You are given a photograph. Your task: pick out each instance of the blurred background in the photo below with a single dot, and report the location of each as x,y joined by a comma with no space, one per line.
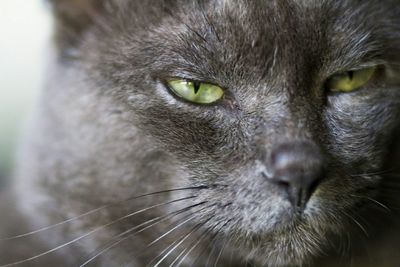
25,27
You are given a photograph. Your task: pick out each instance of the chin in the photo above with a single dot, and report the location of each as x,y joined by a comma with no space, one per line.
292,248
299,238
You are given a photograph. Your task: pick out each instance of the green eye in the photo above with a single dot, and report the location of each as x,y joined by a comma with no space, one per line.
350,80
196,92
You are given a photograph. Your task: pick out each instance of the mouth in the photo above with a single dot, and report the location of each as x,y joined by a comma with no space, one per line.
285,236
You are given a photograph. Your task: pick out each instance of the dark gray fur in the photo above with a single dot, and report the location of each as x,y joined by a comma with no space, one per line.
107,129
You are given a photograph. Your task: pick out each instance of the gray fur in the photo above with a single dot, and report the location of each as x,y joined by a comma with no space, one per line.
107,129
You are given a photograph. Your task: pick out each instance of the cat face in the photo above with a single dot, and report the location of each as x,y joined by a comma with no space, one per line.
286,156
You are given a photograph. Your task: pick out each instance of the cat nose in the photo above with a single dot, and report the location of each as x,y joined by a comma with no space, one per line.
297,168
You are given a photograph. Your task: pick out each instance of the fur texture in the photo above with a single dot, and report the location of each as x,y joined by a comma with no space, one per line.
107,129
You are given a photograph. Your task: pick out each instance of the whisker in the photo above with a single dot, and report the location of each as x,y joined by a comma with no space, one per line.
388,171
166,249
214,241
99,209
93,231
52,226
194,229
110,245
173,229
375,202
160,219
356,222
193,247
177,245
199,241
220,253
178,257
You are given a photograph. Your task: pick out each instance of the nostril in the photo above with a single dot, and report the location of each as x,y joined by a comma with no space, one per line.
297,168
314,185
283,184
265,175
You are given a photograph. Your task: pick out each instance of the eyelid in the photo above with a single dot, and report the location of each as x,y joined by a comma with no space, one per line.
193,79
362,66
351,80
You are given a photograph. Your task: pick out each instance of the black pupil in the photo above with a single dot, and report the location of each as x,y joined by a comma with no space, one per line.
196,86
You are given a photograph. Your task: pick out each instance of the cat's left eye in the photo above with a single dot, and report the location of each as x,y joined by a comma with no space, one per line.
196,92
350,80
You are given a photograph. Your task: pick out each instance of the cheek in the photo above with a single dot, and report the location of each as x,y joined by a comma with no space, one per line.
203,141
360,129
249,201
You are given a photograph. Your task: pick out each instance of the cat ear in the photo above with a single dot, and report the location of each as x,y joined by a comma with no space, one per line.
74,17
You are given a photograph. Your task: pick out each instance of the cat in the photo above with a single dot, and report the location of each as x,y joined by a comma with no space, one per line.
212,133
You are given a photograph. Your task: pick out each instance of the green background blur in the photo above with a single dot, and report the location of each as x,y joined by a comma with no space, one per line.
24,38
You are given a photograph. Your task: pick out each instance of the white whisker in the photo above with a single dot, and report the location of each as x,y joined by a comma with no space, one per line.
194,229
97,210
160,219
92,232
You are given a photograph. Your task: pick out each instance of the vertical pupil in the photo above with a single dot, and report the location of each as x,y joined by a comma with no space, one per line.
196,86
351,74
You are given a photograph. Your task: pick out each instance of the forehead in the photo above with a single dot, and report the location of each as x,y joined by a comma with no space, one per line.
223,38
252,33
300,23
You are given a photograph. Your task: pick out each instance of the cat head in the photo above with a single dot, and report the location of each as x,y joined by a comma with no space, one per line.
284,110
